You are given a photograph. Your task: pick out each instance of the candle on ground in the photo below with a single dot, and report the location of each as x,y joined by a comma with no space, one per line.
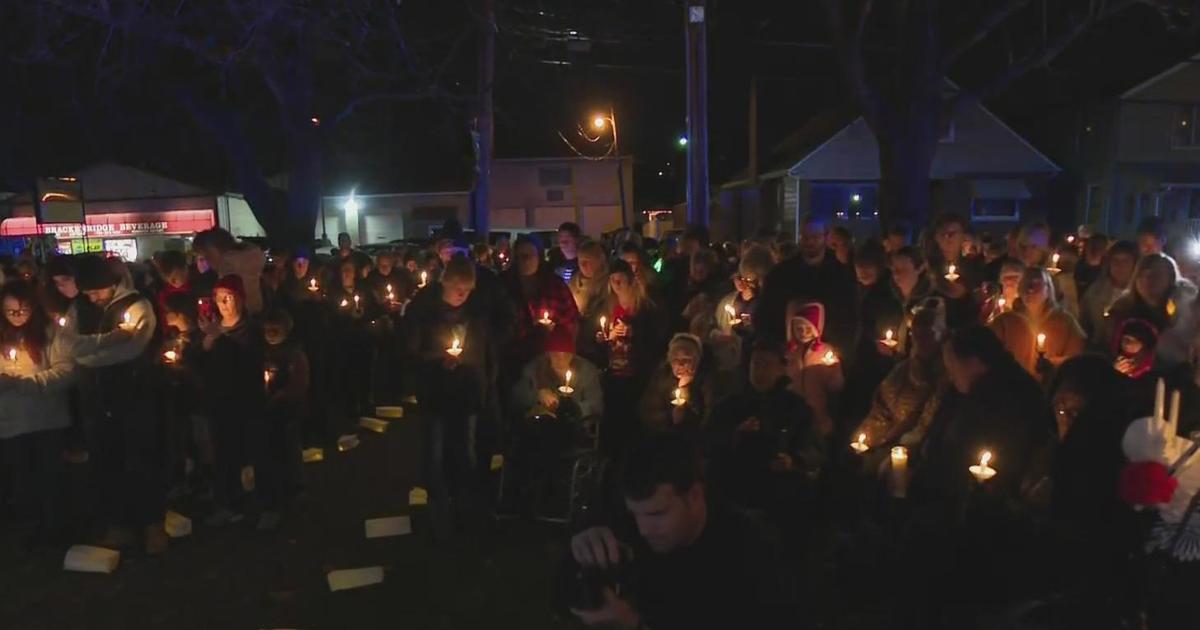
899,472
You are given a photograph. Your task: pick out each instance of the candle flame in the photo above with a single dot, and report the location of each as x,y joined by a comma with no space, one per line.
389,288
899,453
1054,259
984,458
951,270
266,376
603,321
1041,341
344,303
729,309
128,318
12,354
1001,302
862,439
424,277
830,358
678,393
889,334
170,355
568,377
313,283
545,315
62,321
456,344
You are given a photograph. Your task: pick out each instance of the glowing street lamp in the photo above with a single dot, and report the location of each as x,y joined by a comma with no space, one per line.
683,141
599,122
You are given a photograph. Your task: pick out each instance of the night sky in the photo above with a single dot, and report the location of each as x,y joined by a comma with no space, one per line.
557,62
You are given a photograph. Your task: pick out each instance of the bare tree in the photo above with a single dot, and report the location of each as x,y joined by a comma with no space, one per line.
907,104
315,63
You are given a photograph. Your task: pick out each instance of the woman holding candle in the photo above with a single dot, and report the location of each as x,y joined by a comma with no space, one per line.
879,314
543,303
633,342
1116,275
1158,295
353,355
679,395
33,409
1033,243
1003,299
1039,310
814,366
589,287
232,369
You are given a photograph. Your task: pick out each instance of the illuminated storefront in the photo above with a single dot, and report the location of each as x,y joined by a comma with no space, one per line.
131,235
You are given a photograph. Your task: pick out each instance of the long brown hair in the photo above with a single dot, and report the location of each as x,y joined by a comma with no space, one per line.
32,336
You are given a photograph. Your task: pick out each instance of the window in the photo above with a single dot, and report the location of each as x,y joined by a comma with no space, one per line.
554,176
554,195
1184,134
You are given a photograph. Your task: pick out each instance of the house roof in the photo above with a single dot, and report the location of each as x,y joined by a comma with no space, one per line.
1141,88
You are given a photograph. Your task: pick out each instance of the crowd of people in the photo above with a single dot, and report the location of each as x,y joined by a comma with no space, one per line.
954,415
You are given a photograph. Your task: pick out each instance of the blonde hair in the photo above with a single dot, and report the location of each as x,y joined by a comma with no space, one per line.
459,270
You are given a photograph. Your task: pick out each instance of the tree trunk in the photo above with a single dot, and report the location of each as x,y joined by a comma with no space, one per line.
908,141
304,195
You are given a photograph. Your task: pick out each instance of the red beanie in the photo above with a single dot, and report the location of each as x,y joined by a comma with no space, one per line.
560,339
233,284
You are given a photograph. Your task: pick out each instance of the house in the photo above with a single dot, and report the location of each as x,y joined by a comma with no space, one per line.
541,193
122,209
1138,154
374,219
830,168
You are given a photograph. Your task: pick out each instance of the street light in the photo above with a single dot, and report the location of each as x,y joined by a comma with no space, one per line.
682,141
351,206
599,122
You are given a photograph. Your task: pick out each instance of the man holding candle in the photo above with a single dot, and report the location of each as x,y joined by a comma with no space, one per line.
679,395
452,384
117,359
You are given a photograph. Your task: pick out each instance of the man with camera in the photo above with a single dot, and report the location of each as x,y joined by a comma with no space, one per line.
693,563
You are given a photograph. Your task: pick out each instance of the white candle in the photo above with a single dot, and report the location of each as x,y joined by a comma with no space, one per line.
424,278
860,445
545,320
1160,400
951,274
983,472
680,397
734,320
899,472
1041,342
12,355
830,358
312,285
604,324
170,356
455,348
566,388
62,322
1173,418
889,339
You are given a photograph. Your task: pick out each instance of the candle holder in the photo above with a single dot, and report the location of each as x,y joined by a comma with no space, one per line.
952,273
1053,268
565,389
455,348
680,398
830,358
860,445
889,339
899,472
545,320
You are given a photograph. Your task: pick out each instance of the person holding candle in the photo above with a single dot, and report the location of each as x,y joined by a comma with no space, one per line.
34,415
550,414
390,284
734,315
452,387
1002,300
1039,310
589,287
63,298
116,362
683,370
632,254
179,356
814,366
353,354
1158,295
1033,243
277,457
879,314
905,403
949,231
543,303
637,331
1116,276
234,397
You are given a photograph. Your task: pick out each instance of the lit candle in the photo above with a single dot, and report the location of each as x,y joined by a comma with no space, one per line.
830,358
344,303
127,320
545,320
899,472
455,348
1041,343
424,278
1053,268
1070,238
734,320
566,388
12,355
267,378
982,472
170,356
860,445
312,285
62,322
604,324
951,274
356,302
889,338
680,398
1001,303
391,296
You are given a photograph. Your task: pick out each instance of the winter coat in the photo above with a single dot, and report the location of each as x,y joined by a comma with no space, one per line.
785,426
825,282
431,325
1176,322
33,394
103,349
550,296
905,403
656,410
1064,337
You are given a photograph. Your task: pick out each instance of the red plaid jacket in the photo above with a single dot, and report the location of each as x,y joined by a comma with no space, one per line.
551,296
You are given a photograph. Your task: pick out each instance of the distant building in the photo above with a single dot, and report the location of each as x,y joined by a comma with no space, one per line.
1138,154
541,193
121,209
830,167
376,219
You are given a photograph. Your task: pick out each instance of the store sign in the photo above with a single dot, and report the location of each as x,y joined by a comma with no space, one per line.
115,225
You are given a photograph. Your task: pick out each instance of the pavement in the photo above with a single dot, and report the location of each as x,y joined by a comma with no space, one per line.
235,578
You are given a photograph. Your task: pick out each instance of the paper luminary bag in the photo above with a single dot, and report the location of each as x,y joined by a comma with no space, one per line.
373,424
388,526
418,496
345,579
88,559
347,442
311,455
177,525
391,413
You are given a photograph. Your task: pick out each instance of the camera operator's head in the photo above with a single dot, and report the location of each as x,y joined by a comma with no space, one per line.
663,485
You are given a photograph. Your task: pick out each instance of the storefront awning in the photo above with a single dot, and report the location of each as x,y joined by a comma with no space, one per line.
998,189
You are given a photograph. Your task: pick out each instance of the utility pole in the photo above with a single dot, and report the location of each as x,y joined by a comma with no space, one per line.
484,123
697,112
752,175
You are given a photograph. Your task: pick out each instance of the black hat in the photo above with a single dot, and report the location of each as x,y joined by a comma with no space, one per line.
94,272
60,266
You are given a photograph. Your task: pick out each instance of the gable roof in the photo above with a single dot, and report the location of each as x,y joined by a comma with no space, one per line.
1140,89
110,180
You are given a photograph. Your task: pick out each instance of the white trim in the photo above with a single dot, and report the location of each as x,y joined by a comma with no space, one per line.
1131,92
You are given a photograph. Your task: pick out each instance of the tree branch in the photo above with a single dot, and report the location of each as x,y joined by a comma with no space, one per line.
429,93
985,27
